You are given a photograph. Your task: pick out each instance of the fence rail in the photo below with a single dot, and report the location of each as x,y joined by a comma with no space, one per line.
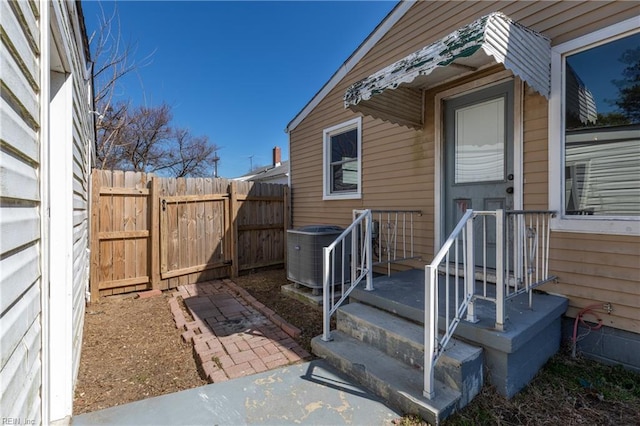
149,232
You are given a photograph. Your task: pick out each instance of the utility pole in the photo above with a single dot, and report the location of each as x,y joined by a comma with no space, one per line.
215,164
251,163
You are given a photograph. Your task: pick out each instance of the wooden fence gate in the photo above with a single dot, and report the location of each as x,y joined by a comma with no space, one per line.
149,232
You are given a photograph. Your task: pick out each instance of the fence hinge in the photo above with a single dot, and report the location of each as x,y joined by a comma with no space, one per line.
164,205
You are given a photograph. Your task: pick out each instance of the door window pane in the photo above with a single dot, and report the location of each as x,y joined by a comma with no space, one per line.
480,142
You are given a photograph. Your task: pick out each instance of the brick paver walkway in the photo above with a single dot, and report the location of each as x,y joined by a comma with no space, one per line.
233,334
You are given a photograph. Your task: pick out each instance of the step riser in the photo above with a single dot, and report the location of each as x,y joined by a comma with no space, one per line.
390,343
460,367
406,402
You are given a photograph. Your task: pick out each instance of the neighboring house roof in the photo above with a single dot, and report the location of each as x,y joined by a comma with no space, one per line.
579,99
494,38
389,21
267,173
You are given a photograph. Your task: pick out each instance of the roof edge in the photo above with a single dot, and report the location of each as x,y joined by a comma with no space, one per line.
380,31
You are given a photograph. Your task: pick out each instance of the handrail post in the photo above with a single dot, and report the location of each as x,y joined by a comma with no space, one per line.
355,248
369,250
470,272
430,329
326,308
500,305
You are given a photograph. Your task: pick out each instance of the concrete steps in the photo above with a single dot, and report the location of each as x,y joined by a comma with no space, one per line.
385,353
512,357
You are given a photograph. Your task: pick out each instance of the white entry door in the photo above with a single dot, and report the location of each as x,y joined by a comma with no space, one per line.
478,138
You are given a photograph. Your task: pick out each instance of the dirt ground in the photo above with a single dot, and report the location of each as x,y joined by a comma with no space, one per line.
132,350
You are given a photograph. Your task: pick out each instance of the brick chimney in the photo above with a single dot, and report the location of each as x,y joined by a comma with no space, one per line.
277,156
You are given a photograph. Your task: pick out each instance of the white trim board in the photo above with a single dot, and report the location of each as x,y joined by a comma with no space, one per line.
582,224
465,89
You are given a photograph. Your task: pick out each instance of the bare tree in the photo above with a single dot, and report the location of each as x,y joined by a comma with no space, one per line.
149,144
110,126
113,59
137,138
192,155
146,139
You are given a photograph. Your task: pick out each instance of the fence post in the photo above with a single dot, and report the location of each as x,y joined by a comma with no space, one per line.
154,230
233,222
95,242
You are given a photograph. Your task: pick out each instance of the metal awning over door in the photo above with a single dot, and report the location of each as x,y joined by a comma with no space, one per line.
394,93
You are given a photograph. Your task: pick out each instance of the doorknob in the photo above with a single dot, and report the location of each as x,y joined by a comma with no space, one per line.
510,190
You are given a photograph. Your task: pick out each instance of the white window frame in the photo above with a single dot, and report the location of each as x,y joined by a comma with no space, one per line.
623,225
355,123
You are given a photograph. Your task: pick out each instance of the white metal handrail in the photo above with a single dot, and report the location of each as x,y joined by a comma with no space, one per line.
524,262
354,249
375,237
521,263
527,236
393,236
459,244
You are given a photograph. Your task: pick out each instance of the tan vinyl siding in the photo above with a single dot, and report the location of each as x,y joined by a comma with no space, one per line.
398,164
20,244
595,268
535,154
591,268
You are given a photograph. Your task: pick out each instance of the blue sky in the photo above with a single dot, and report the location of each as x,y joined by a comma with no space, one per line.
238,71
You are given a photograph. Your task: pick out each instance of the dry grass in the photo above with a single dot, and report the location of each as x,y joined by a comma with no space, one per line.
566,391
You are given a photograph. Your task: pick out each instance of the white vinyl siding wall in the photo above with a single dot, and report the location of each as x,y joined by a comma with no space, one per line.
70,152
82,149
29,139
20,242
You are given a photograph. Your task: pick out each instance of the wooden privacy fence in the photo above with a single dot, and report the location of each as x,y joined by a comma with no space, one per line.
149,232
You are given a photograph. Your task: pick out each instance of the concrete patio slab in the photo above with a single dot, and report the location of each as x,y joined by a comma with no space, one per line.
311,393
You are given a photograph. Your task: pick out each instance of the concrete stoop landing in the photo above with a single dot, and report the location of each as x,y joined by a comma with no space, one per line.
379,342
385,353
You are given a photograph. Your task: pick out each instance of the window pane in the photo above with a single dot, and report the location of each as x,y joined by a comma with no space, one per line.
344,177
480,142
344,161
602,121
344,146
